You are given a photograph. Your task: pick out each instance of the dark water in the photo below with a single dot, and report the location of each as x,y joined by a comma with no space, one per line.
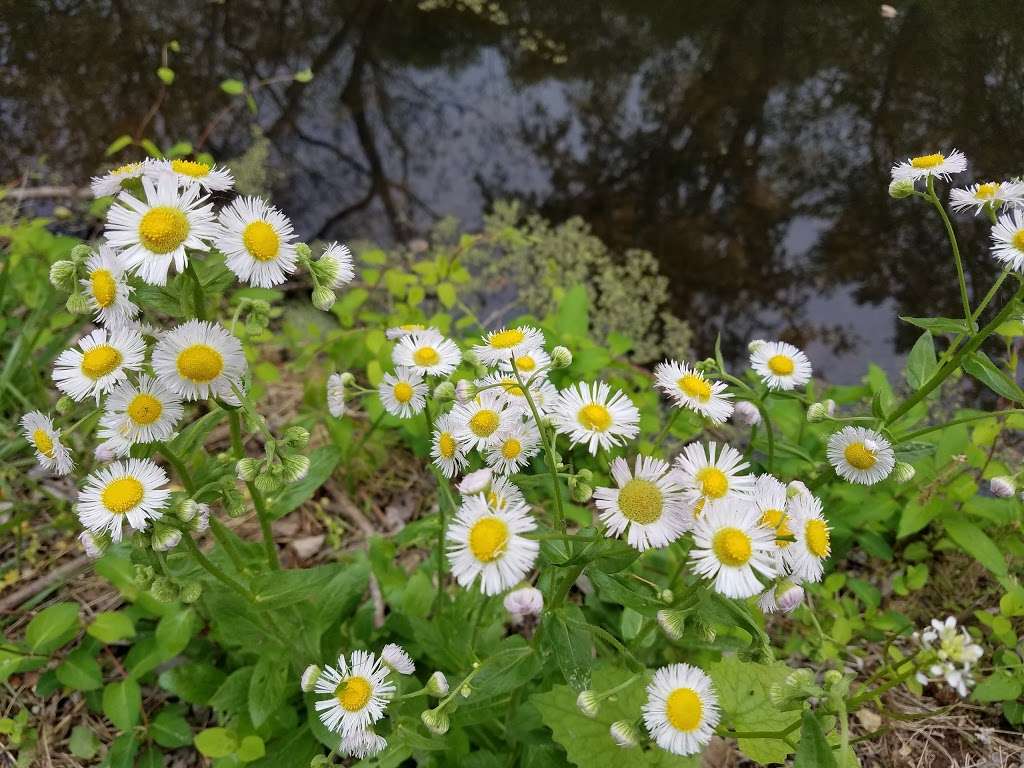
747,144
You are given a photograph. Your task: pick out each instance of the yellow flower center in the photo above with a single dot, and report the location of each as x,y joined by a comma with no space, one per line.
484,422
683,708
261,241
816,534
495,501
125,169
412,327
698,507
200,362
506,339
987,191
402,391
781,365
104,288
713,482
511,388
43,443
487,539
100,360
144,409
1018,239
190,168
163,229
511,448
426,356
526,363
595,417
122,495
354,693
732,547
783,530
695,386
927,161
858,456
446,445
772,518
641,501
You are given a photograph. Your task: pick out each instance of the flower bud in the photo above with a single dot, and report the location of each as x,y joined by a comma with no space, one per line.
437,685
295,466
267,482
436,721
444,392
788,595
323,298
188,509
246,469
234,504
755,345
296,436
164,590
201,521
308,679
165,537
190,592
820,411
465,691
81,252
93,545
796,488
588,703
464,391
302,251
903,472
832,676
1002,486
624,734
525,601
672,623
62,275
901,188
77,304
581,493
667,596
561,357
143,576
65,405
476,482
347,378
746,413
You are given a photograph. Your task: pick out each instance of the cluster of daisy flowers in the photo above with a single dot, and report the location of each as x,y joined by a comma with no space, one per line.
952,652
140,376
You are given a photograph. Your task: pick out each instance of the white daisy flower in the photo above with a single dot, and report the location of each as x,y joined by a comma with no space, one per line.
513,447
146,412
504,384
402,393
198,359
358,692
806,555
110,182
488,543
712,475
590,414
129,490
336,395
401,331
336,266
690,389
780,365
103,358
681,712
362,744
395,657
1008,240
729,545
508,343
152,234
447,452
649,502
528,363
107,290
503,493
994,193
192,172
861,455
771,500
256,240
478,422
51,453
428,353
936,164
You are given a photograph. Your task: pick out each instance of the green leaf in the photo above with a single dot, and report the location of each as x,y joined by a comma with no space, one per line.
975,542
195,682
321,465
170,729
937,324
52,627
268,686
232,698
916,515
166,75
232,87
174,630
122,703
118,144
216,742
303,75
151,758
814,751
122,752
191,438
281,588
513,665
251,748
921,362
1000,686
83,742
570,644
446,294
978,365
573,319
111,626
80,671
618,590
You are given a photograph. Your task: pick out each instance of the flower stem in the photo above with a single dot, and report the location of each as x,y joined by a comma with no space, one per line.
976,417
443,491
179,467
257,498
223,537
934,199
197,292
214,570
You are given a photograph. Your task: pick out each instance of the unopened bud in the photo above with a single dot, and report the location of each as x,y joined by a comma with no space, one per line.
525,601
832,676
77,304
165,537
1002,486
62,275
581,493
323,298
267,483
201,521
624,734
436,721
94,546
309,676
164,590
588,703
81,252
296,436
188,509
667,596
788,595
464,391
820,411
672,623
437,685
903,472
65,405
246,469
796,488
302,251
295,466
143,576
746,413
465,691
444,392
190,592
755,345
476,482
561,357
901,188
347,378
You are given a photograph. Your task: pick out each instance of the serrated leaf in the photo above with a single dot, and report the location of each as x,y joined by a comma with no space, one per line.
512,665
1000,686
921,362
52,627
570,644
814,751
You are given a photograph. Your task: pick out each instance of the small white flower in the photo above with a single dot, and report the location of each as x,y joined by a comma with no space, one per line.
590,414
681,712
403,393
103,358
198,360
525,601
513,447
94,546
364,743
1008,240
937,164
624,734
191,172
146,412
489,543
476,482
528,363
108,292
336,395
505,386
712,476
358,692
729,546
781,365
648,504
448,453
861,455
257,242
479,422
746,413
129,490
503,493
1002,486
507,344
813,545
110,183
993,193
51,453
428,353
395,657
689,388
401,331
335,266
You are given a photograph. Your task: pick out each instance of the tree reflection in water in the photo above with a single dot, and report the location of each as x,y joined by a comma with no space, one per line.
747,144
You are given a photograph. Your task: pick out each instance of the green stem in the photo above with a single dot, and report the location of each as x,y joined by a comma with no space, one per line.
197,292
668,425
443,491
955,345
367,433
953,363
223,537
964,420
214,570
769,432
782,733
258,501
933,198
179,467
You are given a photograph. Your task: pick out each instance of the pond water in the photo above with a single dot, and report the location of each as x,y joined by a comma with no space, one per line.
746,144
